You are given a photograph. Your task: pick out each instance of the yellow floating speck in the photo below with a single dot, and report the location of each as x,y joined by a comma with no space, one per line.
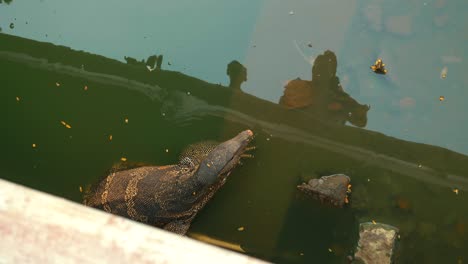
443,72
110,137
441,98
167,150
17,99
208,165
302,254
455,191
373,221
126,120
241,228
81,189
330,250
86,88
65,124
57,84
123,159
34,145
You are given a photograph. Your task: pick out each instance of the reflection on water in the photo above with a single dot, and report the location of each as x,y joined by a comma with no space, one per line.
6,1
237,74
152,63
324,97
419,188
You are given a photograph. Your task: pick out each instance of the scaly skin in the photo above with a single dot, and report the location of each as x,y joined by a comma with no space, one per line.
169,196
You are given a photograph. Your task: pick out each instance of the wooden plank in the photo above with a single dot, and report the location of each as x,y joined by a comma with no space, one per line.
39,228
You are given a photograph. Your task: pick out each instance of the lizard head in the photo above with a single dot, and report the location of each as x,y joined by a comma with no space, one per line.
219,163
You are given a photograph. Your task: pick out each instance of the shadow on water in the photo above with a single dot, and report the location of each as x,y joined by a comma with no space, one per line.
323,96
144,113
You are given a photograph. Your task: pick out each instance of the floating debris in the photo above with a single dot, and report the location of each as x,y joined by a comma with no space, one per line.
110,137
123,159
167,150
81,189
419,166
65,124
302,254
455,191
12,25
379,67
248,156
291,13
309,45
443,72
17,99
402,203
373,222
188,93
241,229
330,250
34,145
441,98
126,120
57,84
85,88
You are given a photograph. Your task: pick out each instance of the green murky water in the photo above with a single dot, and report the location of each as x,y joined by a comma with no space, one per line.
408,185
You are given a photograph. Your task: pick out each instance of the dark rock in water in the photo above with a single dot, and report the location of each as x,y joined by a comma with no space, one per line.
376,243
331,189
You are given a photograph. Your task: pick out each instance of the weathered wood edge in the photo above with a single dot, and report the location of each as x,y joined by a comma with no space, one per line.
36,227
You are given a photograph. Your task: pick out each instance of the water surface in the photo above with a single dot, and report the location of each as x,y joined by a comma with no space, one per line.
276,41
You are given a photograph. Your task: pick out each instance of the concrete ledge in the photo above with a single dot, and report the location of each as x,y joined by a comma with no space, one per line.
39,228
